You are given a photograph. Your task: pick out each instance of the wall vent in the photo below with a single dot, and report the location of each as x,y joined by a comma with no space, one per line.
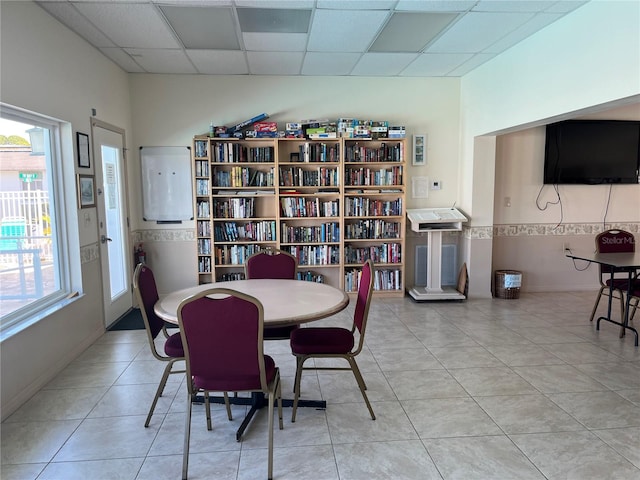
449,271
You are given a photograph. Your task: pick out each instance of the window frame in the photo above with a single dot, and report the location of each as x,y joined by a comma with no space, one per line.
62,203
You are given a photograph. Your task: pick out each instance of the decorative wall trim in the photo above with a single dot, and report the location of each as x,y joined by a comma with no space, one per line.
89,253
541,229
565,229
166,235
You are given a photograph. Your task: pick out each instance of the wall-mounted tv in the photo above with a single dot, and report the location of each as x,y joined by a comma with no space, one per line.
592,152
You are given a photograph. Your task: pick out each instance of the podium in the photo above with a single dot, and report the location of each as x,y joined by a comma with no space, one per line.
434,221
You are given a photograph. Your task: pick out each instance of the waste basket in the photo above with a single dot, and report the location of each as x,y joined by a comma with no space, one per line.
507,284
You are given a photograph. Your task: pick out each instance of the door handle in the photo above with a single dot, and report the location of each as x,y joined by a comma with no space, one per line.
104,239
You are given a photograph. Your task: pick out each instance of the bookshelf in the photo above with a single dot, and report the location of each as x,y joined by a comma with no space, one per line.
374,212
331,203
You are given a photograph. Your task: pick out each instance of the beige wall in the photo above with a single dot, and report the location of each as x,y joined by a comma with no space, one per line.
171,109
588,61
531,233
47,69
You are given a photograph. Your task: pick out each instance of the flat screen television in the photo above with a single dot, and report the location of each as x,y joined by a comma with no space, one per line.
592,152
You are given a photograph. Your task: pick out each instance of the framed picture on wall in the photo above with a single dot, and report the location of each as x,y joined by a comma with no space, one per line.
86,191
420,149
82,143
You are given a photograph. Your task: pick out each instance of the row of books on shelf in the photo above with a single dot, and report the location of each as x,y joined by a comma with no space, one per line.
243,177
232,152
371,229
204,246
235,254
292,207
318,152
371,207
201,148
387,152
234,208
204,264
385,253
327,232
370,176
314,254
310,276
264,231
298,177
203,209
202,186
202,168
203,228
382,280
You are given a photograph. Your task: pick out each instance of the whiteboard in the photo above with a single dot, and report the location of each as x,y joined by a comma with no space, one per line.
166,184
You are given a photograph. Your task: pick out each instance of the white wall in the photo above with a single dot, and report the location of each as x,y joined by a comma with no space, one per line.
47,69
586,61
171,109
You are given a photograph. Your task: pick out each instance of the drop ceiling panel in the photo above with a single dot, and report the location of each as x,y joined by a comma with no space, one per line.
130,25
123,59
474,32
436,5
344,30
273,20
162,61
356,4
275,42
329,63
383,64
216,62
275,63
68,15
203,27
513,5
435,64
410,31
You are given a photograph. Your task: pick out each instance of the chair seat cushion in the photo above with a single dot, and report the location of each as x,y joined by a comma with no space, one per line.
173,346
620,283
238,383
324,340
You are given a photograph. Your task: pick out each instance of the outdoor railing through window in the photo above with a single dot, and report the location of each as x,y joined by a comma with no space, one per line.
26,256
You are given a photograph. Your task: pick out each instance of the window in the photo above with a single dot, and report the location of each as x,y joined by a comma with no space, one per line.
34,259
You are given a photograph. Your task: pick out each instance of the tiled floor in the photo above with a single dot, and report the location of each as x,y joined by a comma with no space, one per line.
483,389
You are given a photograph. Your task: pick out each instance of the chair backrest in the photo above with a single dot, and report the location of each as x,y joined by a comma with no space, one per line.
363,300
271,264
146,293
222,337
614,241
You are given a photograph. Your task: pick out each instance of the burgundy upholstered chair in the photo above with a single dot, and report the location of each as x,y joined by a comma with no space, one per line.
272,263
222,334
336,342
613,241
146,294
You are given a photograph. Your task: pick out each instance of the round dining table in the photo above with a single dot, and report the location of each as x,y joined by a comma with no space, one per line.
285,302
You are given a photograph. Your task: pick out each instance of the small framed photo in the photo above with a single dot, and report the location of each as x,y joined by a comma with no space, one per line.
420,149
82,141
86,191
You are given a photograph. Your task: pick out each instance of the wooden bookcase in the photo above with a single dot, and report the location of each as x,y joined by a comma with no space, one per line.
331,203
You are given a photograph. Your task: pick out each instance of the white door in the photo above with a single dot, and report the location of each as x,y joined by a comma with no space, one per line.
113,220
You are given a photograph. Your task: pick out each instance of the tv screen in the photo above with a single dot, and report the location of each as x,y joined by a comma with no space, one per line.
592,152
